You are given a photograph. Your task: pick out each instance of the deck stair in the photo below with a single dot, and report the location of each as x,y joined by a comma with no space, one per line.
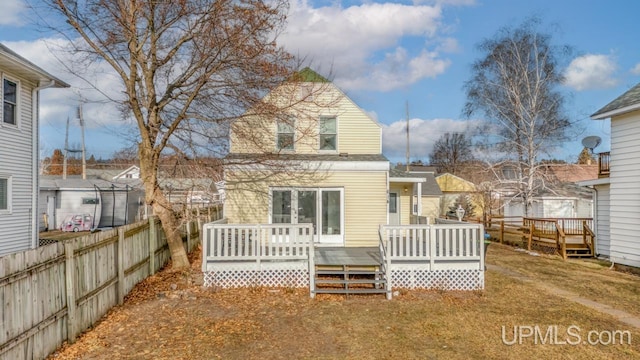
570,237
349,271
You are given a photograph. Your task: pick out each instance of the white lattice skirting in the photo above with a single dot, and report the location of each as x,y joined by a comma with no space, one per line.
268,275
449,279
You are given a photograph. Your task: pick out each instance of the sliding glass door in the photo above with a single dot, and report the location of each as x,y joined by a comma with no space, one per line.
322,207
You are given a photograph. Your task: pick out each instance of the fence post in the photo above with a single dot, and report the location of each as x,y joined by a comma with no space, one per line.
120,264
188,225
153,240
502,231
531,229
71,293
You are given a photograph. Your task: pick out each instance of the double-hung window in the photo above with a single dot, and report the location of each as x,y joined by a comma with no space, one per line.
328,133
285,138
5,193
9,101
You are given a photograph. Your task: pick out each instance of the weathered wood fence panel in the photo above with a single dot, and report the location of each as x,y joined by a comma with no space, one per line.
51,294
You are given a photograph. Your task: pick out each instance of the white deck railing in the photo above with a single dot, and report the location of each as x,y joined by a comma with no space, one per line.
266,254
432,248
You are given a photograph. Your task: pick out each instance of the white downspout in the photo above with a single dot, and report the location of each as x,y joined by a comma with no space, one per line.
35,149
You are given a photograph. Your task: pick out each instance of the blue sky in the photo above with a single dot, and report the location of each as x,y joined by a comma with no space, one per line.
385,54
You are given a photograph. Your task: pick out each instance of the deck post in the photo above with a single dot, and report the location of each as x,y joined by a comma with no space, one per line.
312,265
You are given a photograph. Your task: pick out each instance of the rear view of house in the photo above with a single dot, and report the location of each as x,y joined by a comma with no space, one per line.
21,85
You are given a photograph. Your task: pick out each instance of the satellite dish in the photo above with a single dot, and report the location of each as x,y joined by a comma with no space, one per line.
591,142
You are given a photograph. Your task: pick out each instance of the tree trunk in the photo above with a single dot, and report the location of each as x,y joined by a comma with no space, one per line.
162,207
171,229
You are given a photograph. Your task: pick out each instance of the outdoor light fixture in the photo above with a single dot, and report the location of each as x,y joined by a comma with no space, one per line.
406,189
460,212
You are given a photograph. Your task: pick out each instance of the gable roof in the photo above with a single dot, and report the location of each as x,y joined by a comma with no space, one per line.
451,183
629,101
571,173
308,75
11,61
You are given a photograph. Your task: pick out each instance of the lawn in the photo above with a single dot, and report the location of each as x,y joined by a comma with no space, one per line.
185,321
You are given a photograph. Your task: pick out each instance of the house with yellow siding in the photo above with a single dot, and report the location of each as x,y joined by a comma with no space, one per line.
319,162
452,187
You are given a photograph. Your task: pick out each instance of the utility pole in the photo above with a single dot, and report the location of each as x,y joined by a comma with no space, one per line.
66,149
84,157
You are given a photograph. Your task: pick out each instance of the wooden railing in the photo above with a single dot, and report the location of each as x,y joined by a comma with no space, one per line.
604,160
587,236
561,241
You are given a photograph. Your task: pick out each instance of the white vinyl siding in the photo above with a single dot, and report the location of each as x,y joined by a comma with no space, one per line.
625,189
603,242
16,161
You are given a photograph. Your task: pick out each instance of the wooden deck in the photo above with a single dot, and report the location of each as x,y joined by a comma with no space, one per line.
350,256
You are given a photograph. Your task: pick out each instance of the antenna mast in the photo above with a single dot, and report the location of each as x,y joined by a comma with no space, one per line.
408,153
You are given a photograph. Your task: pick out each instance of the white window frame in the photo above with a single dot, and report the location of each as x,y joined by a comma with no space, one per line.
292,121
320,133
17,104
9,179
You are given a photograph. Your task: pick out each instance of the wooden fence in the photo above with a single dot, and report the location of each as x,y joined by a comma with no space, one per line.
52,293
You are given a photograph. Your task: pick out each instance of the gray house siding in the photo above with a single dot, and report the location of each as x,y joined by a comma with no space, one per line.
16,164
603,236
625,189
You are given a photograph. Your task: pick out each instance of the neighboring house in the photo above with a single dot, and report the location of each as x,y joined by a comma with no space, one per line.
562,197
617,188
21,85
190,191
452,188
133,172
109,203
323,165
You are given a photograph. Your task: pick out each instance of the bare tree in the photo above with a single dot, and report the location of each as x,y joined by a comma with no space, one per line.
187,68
450,151
515,86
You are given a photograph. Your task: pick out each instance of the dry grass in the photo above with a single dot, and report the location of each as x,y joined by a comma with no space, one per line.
591,279
194,323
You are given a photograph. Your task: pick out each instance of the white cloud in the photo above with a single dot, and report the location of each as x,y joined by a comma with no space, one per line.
423,134
362,43
105,130
12,12
636,69
591,71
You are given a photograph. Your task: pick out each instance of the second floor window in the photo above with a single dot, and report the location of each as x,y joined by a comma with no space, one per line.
285,137
328,133
10,101
4,193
